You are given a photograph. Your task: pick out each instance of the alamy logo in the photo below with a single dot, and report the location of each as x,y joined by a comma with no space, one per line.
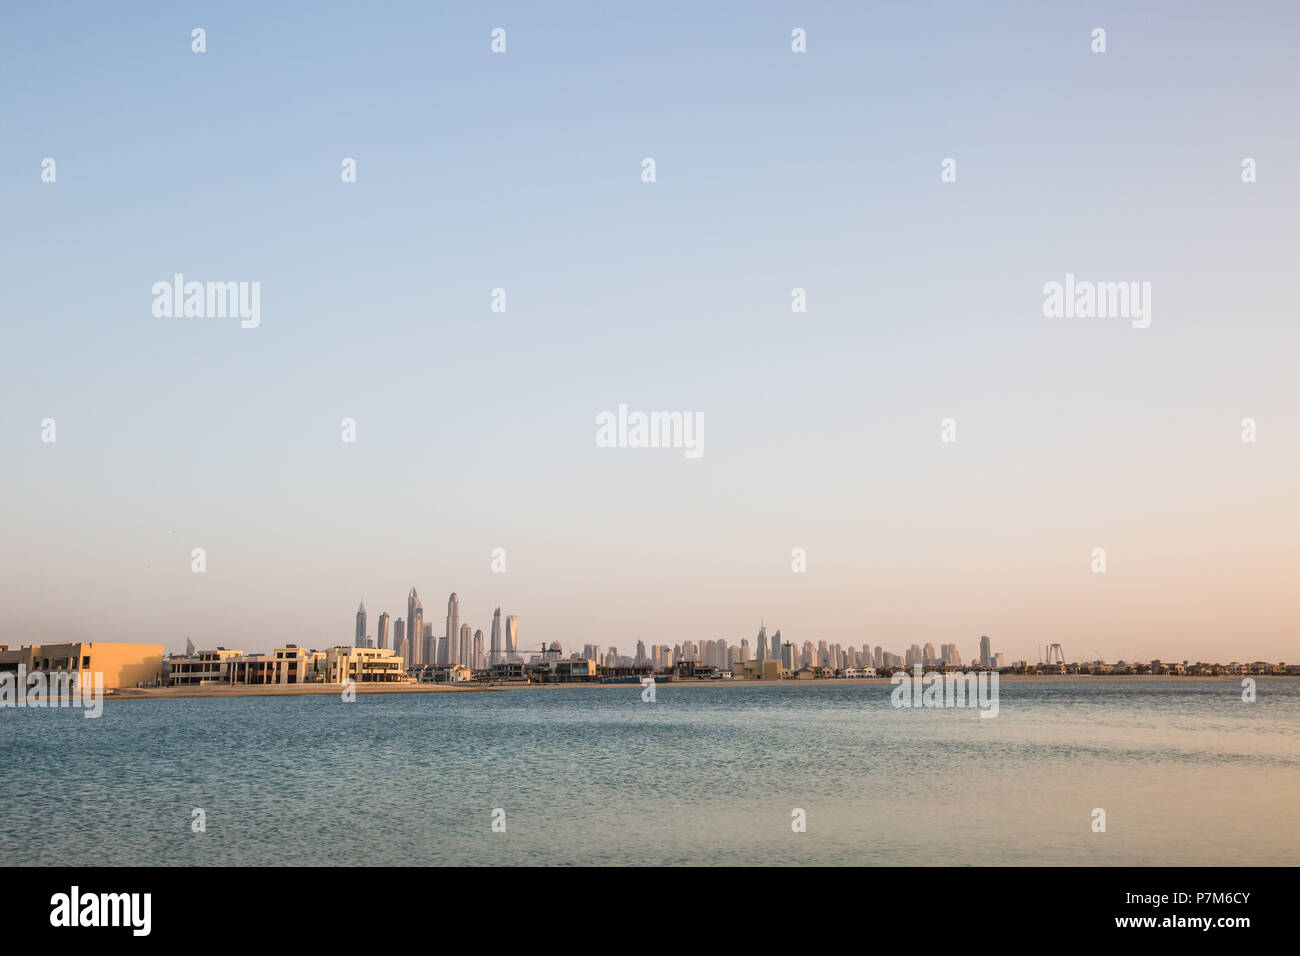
102,909
1098,300
60,689
651,430
934,689
208,300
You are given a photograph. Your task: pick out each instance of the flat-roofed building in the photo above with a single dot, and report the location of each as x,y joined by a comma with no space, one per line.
123,665
285,665
202,667
365,665
765,669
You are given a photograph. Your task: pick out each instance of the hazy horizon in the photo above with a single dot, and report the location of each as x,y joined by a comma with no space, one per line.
475,430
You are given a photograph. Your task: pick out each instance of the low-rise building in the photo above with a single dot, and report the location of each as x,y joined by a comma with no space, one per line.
365,665
123,665
767,669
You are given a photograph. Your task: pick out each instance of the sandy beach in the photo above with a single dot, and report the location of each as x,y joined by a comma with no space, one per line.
296,690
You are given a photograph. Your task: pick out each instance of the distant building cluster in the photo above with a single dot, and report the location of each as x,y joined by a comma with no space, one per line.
414,642
826,658
407,650
1160,668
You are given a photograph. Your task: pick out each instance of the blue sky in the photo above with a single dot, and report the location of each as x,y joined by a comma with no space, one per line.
774,170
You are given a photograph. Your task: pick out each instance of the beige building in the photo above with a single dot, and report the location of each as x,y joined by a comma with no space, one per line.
205,667
284,665
767,669
123,665
363,665
288,665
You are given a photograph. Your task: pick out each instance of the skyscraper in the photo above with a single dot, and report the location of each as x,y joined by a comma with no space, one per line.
381,630
476,662
774,650
760,651
512,637
463,650
361,626
453,629
496,657
415,627
399,642
430,644
986,651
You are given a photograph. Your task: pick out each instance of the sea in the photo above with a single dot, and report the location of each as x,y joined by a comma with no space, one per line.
1070,772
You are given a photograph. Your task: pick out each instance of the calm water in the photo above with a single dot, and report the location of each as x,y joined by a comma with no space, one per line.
1187,773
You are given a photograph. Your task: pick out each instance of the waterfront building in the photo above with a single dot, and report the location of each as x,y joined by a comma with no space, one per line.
361,664
123,665
381,631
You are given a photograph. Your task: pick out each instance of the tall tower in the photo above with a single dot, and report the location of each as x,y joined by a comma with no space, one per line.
415,627
986,651
399,642
496,638
761,642
381,631
512,637
463,651
453,628
361,626
476,662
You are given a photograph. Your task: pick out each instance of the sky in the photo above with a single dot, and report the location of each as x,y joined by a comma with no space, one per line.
774,170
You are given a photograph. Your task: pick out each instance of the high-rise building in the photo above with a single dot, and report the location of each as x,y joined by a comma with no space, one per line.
774,648
986,651
361,626
463,649
512,637
477,662
496,657
381,633
430,645
415,628
760,643
453,629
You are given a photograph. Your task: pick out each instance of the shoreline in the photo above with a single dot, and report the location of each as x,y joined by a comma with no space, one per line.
316,690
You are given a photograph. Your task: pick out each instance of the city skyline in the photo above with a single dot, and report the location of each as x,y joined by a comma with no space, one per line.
472,649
